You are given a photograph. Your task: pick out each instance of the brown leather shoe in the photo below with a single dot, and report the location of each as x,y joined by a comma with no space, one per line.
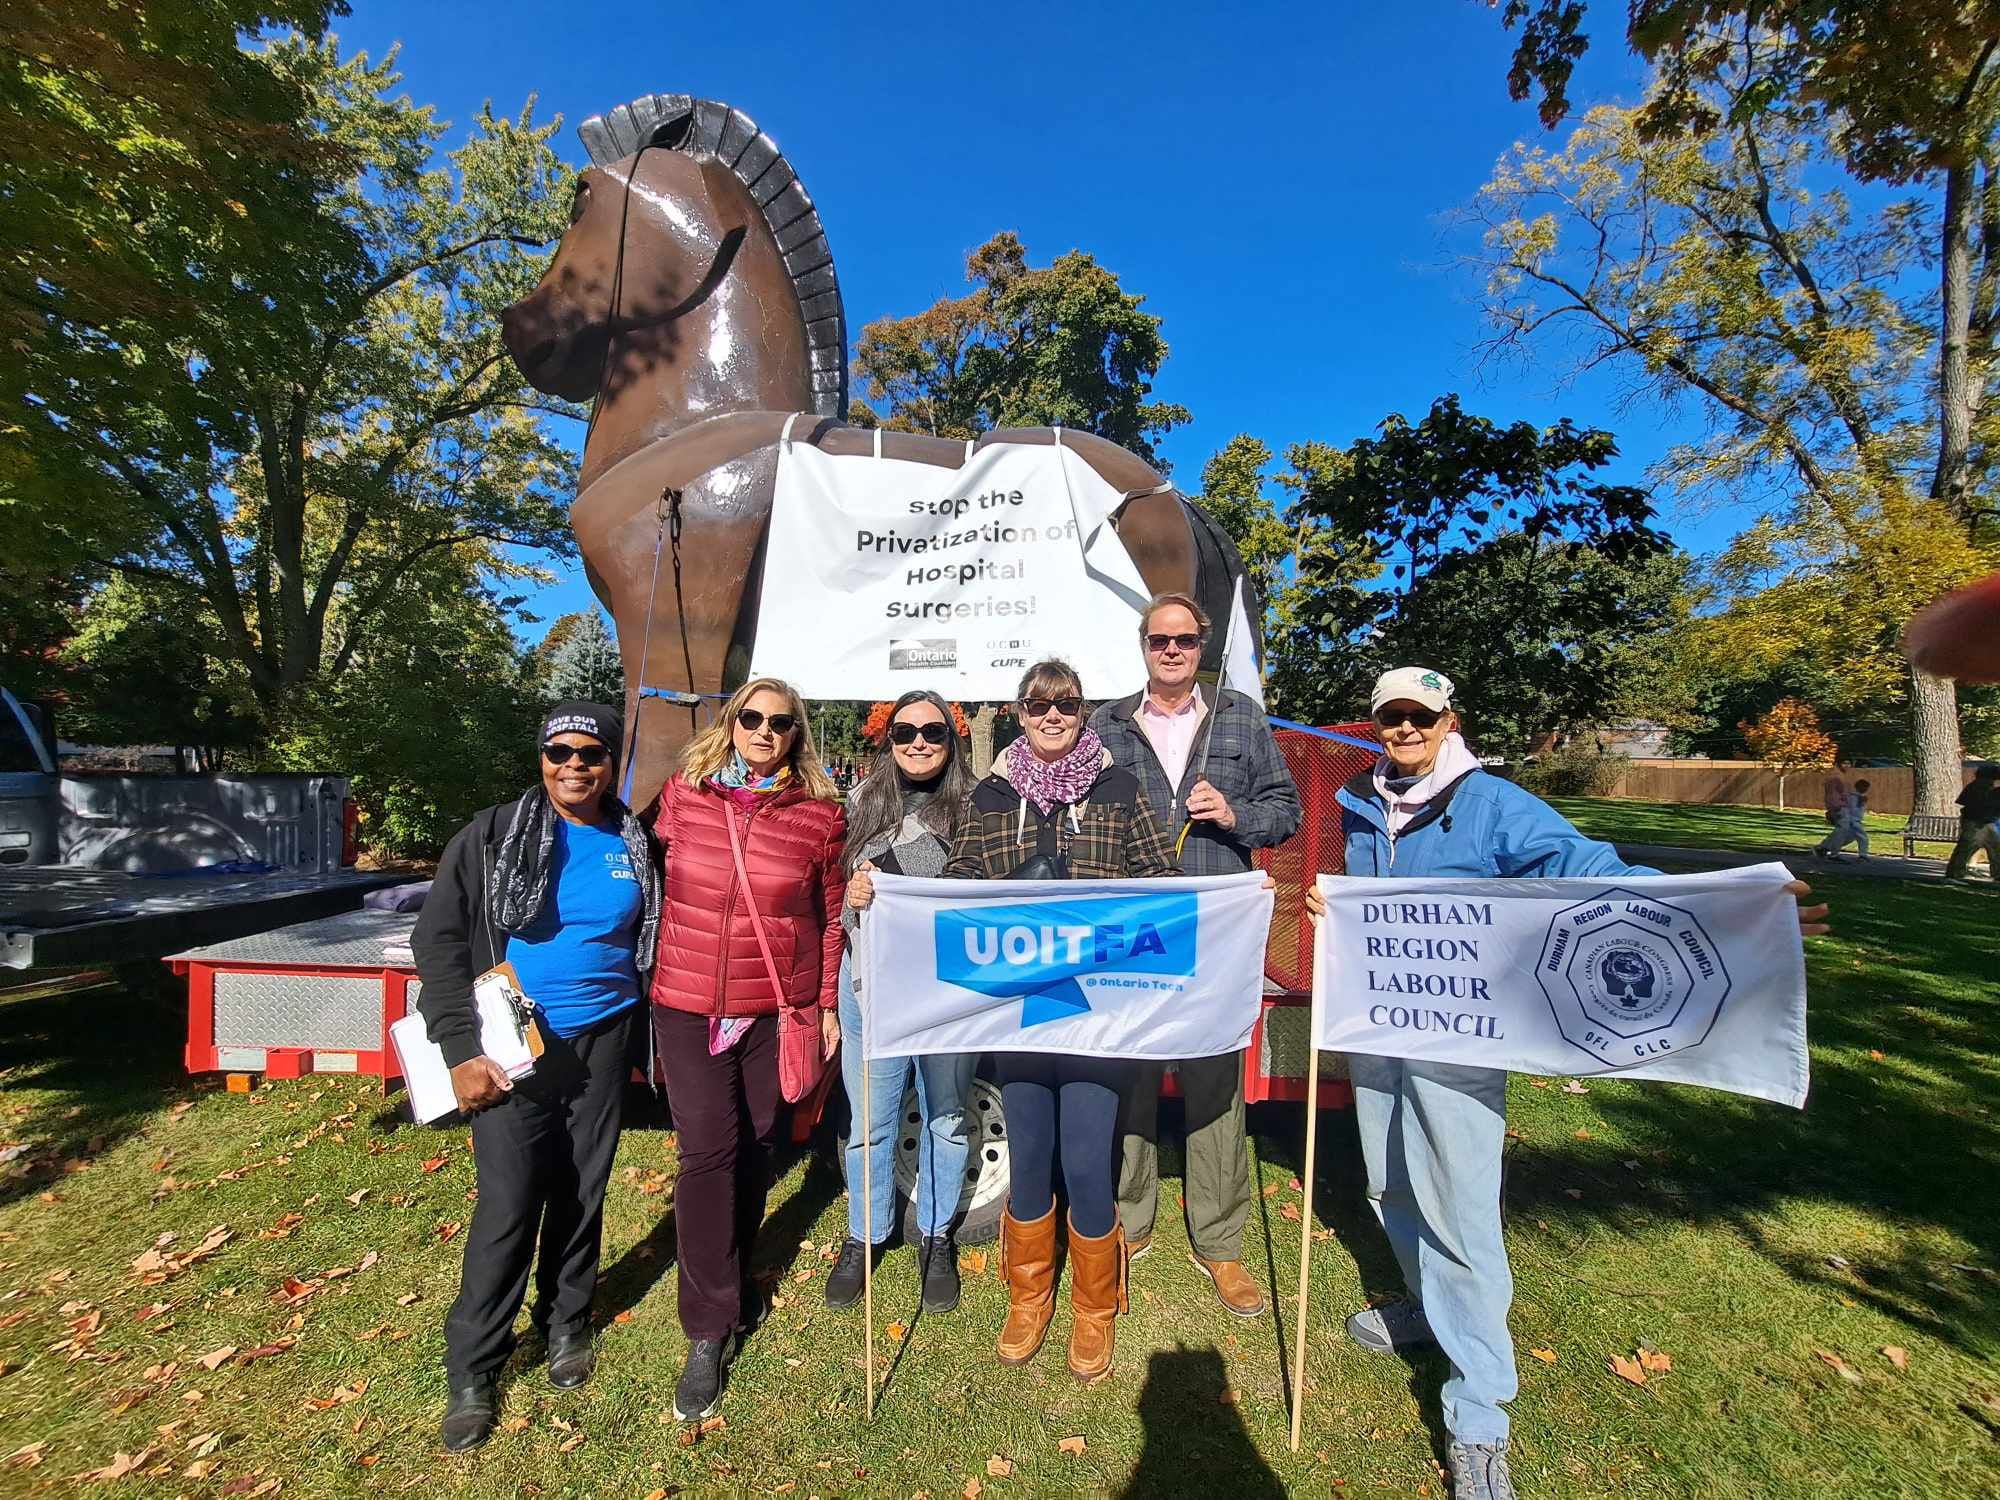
1028,1262
1136,1248
1096,1297
1234,1286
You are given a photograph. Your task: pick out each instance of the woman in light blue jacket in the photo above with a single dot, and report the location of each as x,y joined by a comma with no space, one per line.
1432,1133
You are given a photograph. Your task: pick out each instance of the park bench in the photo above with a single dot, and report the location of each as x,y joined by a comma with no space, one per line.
1928,828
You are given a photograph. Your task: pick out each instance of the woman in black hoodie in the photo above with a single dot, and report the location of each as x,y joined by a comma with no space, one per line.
563,885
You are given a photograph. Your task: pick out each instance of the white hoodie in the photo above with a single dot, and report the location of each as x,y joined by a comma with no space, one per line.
1453,761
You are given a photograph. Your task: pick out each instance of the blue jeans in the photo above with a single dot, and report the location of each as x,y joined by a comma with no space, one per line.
942,1084
1431,1136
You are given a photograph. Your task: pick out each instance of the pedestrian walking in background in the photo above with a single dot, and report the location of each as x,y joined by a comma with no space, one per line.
1978,811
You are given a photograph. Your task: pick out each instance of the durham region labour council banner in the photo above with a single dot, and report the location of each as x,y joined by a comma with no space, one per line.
1168,968
1683,978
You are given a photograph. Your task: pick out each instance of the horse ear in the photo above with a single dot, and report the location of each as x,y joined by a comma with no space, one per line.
672,134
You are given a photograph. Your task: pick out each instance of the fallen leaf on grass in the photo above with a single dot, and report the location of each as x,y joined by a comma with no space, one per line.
217,1358
408,1298
26,1457
514,1424
1900,1358
1627,1369
895,1332
357,1195
202,1443
1573,1087
201,1468
1584,1135
265,1351
156,1265
623,1316
1654,1361
1839,1366
1227,1398
972,1262
369,1460
446,1231
1271,1189
1289,1211
341,1396
998,1467
284,1228
1538,1083
433,1163
570,1445
150,1310
1576,1193
121,1464
1073,1446
972,1489
1546,1356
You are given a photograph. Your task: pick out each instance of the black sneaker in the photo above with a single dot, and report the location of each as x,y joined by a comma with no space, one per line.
471,1415
843,1286
938,1259
699,1393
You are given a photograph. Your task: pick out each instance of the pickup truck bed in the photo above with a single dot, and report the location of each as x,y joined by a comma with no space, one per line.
61,914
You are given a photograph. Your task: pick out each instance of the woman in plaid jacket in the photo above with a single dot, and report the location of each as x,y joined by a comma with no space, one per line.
1054,807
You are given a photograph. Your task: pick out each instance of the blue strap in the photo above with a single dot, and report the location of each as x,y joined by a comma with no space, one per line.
1326,734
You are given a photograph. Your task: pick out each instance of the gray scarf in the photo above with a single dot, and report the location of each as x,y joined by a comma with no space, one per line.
517,887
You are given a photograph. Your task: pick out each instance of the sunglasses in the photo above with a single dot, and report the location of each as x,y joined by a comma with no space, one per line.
1038,708
1422,718
1158,643
906,734
753,721
592,756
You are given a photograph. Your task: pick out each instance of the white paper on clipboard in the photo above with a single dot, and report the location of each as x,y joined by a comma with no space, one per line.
425,1074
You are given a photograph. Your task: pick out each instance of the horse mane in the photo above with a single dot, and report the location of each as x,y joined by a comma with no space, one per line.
705,129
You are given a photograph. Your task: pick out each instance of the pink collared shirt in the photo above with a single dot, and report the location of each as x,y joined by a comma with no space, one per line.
1172,734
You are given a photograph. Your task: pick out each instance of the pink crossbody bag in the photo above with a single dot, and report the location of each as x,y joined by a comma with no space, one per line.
802,1059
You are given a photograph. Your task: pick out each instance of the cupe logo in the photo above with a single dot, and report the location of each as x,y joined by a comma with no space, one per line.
1038,949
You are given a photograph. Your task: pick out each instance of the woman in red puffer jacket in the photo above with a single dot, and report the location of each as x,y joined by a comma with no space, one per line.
745,960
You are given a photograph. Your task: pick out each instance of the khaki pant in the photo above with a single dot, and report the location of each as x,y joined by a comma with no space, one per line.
1218,1154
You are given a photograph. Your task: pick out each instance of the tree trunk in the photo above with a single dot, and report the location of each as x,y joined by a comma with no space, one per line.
1934,715
1781,791
980,721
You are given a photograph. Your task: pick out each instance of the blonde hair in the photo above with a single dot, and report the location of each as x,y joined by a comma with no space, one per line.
709,751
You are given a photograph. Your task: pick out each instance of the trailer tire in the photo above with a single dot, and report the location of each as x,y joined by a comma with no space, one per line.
984,1194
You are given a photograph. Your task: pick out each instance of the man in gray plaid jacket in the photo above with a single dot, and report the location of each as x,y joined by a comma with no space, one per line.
1218,807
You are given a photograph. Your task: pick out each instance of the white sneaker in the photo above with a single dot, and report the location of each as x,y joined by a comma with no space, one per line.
1479,1471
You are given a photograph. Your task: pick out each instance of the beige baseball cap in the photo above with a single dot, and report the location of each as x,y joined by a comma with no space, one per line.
1417,684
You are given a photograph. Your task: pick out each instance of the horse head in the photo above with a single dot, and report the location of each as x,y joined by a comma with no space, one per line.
694,277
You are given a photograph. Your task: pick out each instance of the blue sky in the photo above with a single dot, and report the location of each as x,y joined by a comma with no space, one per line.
1275,180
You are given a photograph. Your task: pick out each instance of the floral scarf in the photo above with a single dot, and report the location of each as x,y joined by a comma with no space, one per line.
735,782
1050,783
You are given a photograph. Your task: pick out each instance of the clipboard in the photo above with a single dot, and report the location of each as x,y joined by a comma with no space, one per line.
508,1035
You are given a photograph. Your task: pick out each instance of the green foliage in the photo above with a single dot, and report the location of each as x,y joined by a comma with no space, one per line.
1060,345
578,658
1574,769
314,400
139,671
1490,552
435,717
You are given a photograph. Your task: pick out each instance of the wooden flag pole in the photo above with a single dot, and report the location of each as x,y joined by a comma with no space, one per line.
1306,1218
867,1205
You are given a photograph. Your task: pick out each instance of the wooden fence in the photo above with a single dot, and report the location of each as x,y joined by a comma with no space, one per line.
1745,783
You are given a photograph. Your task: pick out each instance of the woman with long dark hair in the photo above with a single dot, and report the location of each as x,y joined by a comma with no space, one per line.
901,820
1056,807
743,993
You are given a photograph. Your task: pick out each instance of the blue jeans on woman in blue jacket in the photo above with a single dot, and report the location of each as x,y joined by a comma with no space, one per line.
943,1142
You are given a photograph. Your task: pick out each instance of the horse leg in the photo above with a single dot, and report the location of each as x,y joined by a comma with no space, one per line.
679,609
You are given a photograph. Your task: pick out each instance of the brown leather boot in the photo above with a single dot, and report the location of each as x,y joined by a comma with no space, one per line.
1028,1262
1096,1297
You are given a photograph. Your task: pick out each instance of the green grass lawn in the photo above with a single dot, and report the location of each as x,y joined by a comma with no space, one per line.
1771,1255
1695,825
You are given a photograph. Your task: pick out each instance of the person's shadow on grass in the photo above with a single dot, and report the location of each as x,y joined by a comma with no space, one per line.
1192,1431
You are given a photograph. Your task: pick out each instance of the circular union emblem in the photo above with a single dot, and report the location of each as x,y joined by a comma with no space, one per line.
1626,979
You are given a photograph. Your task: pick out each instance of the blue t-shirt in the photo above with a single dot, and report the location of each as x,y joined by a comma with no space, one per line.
576,959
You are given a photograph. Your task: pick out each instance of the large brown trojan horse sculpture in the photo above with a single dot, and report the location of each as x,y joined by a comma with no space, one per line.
694,297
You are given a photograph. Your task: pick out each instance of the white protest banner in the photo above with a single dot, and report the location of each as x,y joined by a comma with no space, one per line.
1684,978
1168,968
955,580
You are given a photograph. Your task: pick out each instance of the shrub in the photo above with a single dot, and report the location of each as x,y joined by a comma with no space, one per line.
1575,770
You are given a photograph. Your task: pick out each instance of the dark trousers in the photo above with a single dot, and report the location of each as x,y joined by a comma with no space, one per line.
1062,1108
1217,1174
543,1157
725,1111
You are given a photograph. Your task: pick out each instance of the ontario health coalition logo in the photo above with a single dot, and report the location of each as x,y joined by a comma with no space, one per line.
1631,978
1038,950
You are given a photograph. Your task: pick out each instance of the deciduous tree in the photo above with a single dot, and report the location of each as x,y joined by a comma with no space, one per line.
1787,738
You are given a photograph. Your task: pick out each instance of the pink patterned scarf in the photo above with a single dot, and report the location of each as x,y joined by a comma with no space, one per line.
1046,783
